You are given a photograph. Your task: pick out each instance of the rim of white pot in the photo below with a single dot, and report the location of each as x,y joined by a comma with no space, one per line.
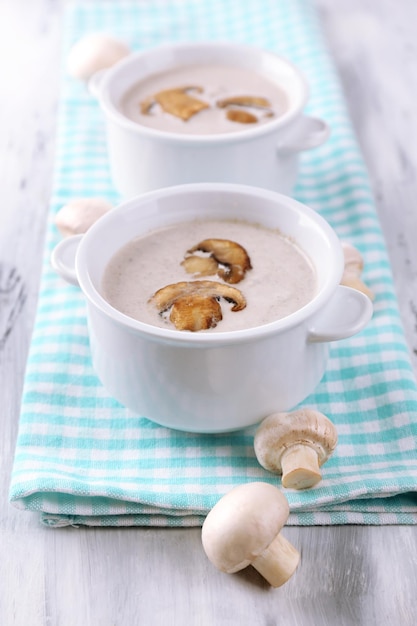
114,113
219,338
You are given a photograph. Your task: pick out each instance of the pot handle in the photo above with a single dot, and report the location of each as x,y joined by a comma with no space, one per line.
347,313
63,258
310,132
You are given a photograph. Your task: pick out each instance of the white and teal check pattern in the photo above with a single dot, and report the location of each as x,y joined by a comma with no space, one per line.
81,458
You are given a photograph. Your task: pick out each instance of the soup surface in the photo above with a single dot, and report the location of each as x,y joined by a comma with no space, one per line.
204,99
257,271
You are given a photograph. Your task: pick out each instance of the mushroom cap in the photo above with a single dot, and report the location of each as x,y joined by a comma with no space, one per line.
166,296
94,52
242,525
353,258
76,217
280,431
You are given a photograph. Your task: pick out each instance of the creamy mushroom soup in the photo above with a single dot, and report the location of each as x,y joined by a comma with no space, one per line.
204,99
209,276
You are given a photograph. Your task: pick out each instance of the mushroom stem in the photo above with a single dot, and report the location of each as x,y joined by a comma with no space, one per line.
278,562
300,467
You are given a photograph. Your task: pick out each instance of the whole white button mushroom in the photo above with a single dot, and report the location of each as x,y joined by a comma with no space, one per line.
94,52
243,529
295,445
76,217
353,270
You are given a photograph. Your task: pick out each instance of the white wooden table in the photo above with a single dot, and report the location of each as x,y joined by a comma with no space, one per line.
349,575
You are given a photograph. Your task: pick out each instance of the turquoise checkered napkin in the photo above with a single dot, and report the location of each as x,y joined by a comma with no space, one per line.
81,458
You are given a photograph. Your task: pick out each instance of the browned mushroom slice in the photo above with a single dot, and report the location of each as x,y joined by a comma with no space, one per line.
244,101
195,305
166,296
179,103
242,117
228,253
200,266
146,105
196,313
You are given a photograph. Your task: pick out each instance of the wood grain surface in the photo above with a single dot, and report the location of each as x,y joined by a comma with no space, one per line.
349,575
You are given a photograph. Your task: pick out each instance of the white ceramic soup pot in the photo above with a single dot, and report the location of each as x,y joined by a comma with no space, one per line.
205,381
144,159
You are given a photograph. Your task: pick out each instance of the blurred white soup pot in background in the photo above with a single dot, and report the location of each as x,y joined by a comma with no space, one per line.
143,158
